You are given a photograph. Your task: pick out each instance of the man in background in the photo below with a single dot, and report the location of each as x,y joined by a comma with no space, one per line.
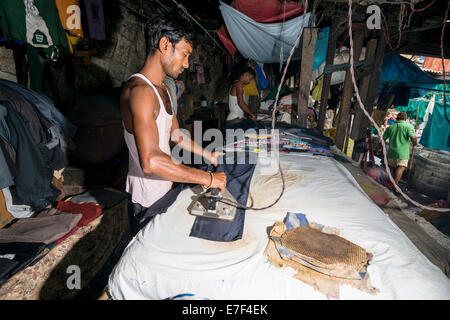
399,135
238,107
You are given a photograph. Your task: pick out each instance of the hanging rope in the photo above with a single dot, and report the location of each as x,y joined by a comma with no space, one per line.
195,20
362,107
443,60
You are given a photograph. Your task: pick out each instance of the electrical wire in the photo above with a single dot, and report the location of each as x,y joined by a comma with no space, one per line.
193,19
361,105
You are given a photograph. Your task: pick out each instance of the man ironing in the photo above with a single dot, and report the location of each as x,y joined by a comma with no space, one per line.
149,121
238,107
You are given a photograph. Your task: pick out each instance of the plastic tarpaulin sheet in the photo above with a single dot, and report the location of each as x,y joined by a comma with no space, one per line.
399,71
436,134
163,261
267,11
259,41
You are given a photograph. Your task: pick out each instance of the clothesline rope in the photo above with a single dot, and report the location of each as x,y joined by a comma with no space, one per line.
362,107
195,20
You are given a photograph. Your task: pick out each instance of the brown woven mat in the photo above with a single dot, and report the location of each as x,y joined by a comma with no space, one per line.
326,248
321,282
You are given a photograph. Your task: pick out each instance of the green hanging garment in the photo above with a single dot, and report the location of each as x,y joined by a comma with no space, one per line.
37,23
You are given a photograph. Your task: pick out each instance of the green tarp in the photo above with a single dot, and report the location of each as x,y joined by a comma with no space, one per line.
436,134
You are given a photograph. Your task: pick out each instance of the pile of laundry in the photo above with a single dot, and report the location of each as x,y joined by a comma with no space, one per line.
288,139
25,241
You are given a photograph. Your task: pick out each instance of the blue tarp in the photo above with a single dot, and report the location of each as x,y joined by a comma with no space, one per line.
399,71
263,42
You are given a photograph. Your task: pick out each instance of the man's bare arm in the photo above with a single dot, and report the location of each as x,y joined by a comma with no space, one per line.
414,140
153,160
184,141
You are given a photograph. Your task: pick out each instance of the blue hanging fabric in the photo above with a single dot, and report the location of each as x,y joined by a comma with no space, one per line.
262,81
262,42
320,53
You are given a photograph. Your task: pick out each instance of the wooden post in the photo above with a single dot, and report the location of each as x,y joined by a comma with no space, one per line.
363,89
373,84
372,89
347,91
308,48
327,77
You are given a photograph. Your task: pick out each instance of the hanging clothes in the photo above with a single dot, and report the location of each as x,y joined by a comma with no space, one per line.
46,107
35,22
70,15
436,134
317,91
38,126
95,18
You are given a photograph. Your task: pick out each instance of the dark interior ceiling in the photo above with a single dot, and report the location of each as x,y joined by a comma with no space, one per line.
420,35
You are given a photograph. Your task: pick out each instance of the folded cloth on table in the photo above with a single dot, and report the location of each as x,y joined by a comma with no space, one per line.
89,211
45,229
67,235
22,253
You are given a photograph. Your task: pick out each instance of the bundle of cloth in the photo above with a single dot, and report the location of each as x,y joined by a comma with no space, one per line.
33,146
25,241
33,142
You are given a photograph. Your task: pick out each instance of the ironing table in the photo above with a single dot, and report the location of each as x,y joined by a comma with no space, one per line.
162,261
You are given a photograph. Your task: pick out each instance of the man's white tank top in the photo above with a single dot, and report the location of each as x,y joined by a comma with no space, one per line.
235,110
147,189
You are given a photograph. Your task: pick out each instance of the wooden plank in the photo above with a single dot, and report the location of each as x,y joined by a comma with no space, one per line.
364,123
363,89
308,48
327,77
347,92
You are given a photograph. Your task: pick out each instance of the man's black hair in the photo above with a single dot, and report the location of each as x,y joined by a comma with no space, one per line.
248,70
172,25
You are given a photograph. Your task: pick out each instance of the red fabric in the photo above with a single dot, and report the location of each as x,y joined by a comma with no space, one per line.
89,210
268,11
67,235
264,11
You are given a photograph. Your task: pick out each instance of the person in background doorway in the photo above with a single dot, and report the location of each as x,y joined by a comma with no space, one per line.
236,103
399,135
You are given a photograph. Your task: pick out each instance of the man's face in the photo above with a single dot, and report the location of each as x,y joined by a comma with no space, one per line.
247,78
175,61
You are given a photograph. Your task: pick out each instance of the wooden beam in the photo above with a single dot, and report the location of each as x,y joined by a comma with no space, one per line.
308,48
363,89
347,91
372,90
327,77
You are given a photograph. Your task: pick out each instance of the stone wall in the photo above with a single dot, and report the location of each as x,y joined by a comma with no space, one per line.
7,66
